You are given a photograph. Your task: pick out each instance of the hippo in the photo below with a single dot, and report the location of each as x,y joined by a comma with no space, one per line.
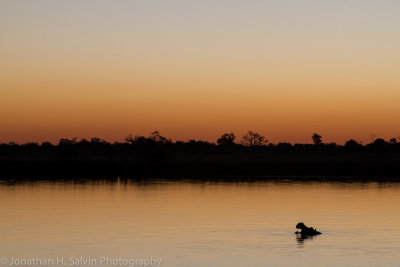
306,231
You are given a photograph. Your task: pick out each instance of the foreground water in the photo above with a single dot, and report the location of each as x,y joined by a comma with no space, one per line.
198,224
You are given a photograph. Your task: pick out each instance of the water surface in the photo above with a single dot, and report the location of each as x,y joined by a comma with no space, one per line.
202,224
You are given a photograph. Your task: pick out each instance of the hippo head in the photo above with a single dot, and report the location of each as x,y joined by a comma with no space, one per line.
300,226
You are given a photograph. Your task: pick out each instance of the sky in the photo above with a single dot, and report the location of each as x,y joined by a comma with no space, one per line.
198,69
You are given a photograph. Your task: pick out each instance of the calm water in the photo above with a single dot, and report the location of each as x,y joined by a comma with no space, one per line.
199,224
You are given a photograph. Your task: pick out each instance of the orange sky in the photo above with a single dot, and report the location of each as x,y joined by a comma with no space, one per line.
195,71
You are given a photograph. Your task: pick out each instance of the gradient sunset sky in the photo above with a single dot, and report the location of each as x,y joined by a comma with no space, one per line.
197,69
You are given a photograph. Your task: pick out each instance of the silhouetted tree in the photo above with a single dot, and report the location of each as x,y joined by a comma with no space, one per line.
130,139
66,147
352,146
157,138
47,145
316,139
378,145
226,139
393,141
372,137
137,139
97,140
284,147
252,139
65,141
154,137
380,141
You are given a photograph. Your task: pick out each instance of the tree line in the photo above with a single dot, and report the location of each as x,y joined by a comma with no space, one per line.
227,141
155,155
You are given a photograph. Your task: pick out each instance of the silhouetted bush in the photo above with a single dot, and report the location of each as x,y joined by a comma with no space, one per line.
316,139
227,139
352,146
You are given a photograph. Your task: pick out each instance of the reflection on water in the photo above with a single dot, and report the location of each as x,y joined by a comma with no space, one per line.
202,224
300,239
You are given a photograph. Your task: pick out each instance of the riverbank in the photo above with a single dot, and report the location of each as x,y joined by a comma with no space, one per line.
201,165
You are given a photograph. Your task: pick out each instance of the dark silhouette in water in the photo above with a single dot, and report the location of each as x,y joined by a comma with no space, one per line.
301,239
306,231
